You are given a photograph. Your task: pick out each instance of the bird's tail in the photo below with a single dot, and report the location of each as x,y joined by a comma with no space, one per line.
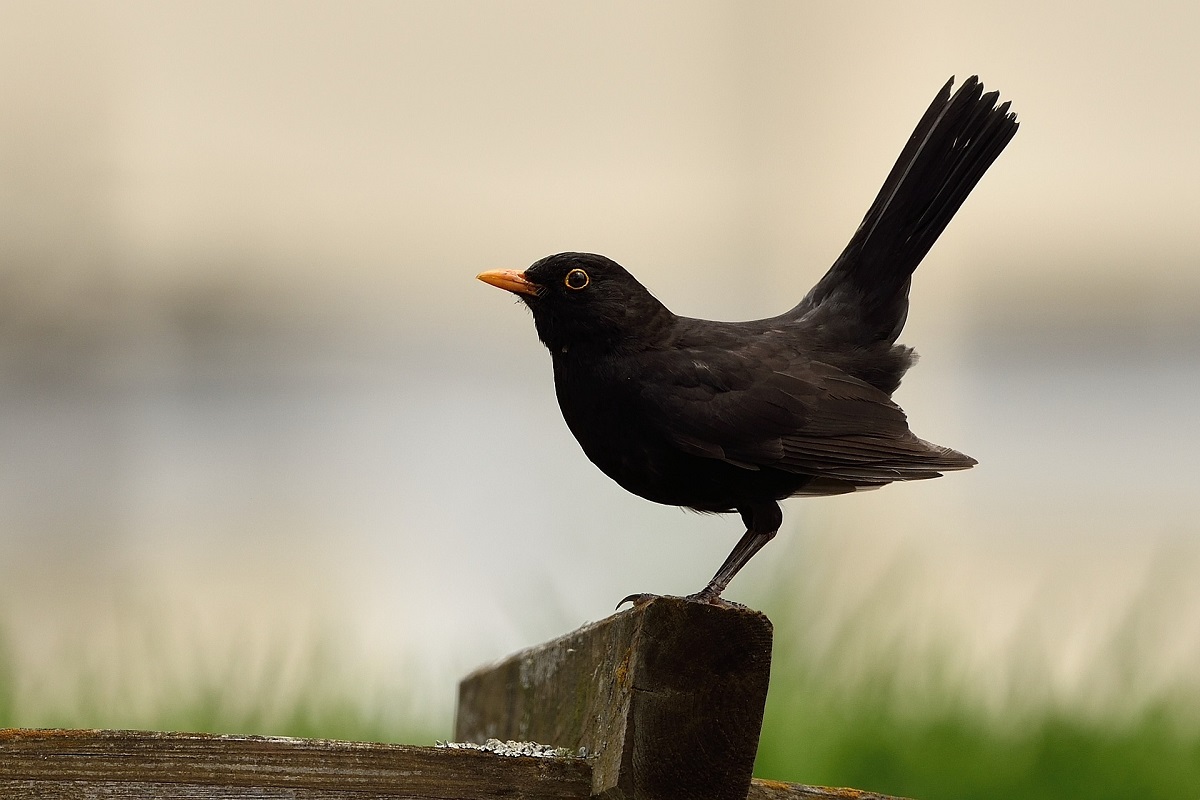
866,289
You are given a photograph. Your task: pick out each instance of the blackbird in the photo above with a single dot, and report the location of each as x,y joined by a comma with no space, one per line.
736,416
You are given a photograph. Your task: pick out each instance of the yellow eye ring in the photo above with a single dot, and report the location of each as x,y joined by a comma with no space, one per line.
576,279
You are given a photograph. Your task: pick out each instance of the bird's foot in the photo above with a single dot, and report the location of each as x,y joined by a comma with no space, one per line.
703,596
712,599
638,599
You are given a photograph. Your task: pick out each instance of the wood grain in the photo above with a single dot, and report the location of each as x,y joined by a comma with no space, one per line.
667,698
138,764
777,790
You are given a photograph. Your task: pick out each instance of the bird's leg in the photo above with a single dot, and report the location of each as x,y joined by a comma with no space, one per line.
743,551
762,523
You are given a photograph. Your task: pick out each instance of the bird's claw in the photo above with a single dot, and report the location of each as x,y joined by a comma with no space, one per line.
641,598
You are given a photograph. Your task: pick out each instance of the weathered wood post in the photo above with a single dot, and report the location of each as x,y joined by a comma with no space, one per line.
667,699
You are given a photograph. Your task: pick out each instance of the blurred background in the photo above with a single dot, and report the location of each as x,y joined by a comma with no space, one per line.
274,461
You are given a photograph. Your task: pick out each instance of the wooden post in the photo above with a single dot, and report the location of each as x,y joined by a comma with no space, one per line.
667,698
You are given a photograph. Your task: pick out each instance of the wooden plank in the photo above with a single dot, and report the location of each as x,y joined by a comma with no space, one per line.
139,764
144,790
667,697
777,790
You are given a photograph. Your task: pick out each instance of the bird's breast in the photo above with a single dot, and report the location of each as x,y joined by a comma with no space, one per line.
601,408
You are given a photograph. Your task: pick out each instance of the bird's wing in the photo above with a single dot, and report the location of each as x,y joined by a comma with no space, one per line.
754,408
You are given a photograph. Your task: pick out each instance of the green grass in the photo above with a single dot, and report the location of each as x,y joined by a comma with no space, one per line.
280,693
851,713
813,734
8,690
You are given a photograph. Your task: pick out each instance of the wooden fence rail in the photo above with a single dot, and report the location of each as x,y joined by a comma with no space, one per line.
660,702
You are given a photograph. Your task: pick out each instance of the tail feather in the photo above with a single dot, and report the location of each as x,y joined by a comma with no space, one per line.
955,142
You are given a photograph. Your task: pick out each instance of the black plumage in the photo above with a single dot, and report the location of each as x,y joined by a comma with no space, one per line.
735,416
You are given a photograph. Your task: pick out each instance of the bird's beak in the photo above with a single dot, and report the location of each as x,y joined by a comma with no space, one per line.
511,280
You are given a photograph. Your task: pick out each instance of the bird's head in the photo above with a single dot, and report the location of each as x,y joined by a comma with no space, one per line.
583,301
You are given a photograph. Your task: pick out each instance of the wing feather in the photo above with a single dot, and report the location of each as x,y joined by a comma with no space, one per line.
800,416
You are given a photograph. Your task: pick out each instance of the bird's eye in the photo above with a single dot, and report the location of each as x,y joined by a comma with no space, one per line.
577,279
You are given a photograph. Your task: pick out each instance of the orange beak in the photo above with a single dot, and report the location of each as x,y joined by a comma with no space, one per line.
510,280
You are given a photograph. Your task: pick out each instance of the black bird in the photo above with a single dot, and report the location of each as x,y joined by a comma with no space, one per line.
736,416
